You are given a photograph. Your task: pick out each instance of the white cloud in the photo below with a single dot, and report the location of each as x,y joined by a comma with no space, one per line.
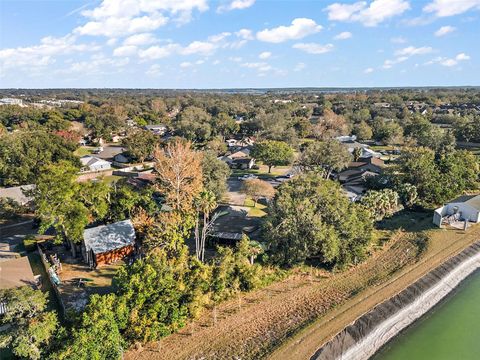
199,47
265,55
299,28
158,52
236,5
126,50
259,66
124,17
343,35
313,48
444,30
368,14
462,56
44,53
444,8
140,39
344,12
368,70
299,67
449,62
389,63
113,26
186,64
411,50
219,37
245,34
154,70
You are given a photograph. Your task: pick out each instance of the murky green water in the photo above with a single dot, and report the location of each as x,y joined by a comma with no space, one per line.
450,332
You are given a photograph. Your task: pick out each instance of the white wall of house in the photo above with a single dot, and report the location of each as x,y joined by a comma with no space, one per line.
467,212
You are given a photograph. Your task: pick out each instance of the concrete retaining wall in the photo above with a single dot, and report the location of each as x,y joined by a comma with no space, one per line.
371,331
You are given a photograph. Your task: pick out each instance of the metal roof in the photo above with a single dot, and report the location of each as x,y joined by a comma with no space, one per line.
16,193
110,237
472,200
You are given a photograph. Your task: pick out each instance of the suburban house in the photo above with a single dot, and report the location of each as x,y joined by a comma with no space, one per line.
242,163
17,272
17,194
465,208
158,129
92,163
106,244
239,159
353,178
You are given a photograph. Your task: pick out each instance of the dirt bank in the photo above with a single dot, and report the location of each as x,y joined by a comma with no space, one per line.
308,308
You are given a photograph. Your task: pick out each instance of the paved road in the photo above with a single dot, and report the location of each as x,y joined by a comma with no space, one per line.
11,236
234,195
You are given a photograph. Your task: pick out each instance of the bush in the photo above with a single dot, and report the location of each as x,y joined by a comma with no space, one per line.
30,243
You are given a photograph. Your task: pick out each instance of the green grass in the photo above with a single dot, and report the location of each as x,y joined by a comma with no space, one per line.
257,211
111,179
84,150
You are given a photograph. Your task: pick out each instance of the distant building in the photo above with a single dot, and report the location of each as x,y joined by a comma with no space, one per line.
92,163
156,129
108,243
17,194
11,101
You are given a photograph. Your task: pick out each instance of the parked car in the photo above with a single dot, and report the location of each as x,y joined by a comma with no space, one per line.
247,177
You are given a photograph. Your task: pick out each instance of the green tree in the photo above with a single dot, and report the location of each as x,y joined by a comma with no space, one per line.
23,154
97,335
57,203
311,217
363,131
325,157
161,292
380,204
438,177
193,124
273,153
26,327
215,174
140,144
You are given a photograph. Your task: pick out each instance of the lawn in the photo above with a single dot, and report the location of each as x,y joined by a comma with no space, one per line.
257,211
111,179
84,150
263,173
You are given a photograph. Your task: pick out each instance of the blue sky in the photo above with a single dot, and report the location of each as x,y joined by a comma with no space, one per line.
238,43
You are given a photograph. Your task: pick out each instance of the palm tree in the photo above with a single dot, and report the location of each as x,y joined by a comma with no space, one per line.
205,203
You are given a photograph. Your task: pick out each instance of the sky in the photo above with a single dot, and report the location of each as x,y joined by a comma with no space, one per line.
238,43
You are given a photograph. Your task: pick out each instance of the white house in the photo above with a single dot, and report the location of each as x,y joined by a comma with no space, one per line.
92,163
463,208
157,129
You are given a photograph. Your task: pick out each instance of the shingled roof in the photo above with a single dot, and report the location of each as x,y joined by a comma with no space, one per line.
105,238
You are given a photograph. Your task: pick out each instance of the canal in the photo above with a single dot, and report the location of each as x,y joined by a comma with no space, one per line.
450,331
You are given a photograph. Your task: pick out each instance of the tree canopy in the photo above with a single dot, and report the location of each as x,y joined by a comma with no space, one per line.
311,217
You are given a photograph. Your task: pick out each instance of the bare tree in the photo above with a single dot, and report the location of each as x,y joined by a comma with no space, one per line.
179,177
257,189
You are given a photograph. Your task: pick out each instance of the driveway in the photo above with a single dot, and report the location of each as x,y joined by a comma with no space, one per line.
235,197
11,236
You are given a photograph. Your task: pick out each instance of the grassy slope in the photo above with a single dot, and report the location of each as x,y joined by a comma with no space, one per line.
311,303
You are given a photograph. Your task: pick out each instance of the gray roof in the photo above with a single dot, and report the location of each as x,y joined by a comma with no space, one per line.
16,193
110,237
16,273
472,200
